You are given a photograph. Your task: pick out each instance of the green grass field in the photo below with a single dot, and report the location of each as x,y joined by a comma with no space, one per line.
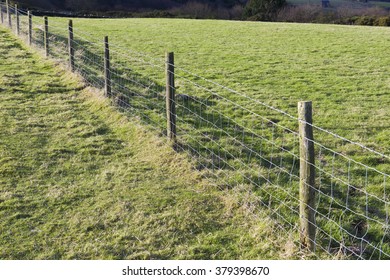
342,69
78,180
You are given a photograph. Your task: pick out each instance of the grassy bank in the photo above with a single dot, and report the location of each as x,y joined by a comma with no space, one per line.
78,180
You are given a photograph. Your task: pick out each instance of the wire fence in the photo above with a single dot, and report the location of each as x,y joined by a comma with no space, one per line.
238,142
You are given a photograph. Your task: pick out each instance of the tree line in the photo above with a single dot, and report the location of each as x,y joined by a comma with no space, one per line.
104,5
219,9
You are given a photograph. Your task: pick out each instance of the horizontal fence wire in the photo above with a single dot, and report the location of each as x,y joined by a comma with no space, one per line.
240,143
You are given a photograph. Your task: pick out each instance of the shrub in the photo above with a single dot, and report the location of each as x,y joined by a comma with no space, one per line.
236,12
383,21
265,10
196,10
365,20
303,13
340,15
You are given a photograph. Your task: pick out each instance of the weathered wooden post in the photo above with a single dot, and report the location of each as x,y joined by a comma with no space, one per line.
29,15
46,36
170,97
17,31
71,45
307,176
1,14
107,71
8,15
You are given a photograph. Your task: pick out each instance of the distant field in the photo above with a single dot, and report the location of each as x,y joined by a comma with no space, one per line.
342,69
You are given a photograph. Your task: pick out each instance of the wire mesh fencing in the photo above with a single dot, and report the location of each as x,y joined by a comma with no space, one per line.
238,142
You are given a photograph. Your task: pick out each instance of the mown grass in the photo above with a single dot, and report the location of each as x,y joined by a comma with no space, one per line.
78,180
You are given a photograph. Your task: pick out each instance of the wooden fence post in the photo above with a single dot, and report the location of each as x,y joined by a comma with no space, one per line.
8,15
170,96
46,36
29,28
107,71
307,176
71,46
17,31
1,14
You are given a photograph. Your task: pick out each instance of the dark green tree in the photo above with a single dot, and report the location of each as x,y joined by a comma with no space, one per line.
264,10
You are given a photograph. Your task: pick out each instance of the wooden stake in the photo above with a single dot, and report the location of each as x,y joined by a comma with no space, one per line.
1,14
29,28
17,31
71,46
46,36
107,71
170,97
8,15
307,176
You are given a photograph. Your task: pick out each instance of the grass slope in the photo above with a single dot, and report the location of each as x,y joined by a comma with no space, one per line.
79,181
